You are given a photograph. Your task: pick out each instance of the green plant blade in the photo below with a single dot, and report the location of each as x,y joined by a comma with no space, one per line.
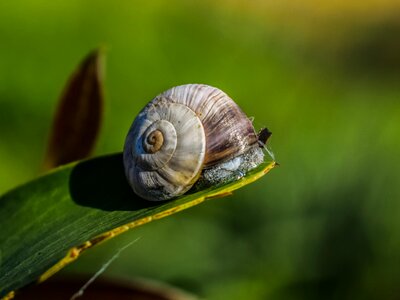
45,224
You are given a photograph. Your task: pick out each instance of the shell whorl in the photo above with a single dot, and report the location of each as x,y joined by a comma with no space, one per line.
176,165
228,130
180,132
153,141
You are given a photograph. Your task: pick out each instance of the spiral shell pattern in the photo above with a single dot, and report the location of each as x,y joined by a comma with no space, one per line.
228,130
178,134
176,165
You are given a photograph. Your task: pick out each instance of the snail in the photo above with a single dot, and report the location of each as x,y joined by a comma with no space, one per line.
190,135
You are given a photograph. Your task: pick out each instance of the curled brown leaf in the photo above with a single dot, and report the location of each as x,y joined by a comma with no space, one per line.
77,121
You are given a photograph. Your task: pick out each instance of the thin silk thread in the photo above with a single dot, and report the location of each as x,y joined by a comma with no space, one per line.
102,269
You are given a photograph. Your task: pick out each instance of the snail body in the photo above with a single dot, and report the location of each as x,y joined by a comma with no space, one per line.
189,135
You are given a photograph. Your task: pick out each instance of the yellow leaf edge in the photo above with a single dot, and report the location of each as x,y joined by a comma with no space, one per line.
75,252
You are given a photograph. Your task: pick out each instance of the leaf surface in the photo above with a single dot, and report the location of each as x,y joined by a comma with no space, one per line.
47,223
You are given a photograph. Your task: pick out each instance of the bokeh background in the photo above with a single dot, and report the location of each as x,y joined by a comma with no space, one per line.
323,76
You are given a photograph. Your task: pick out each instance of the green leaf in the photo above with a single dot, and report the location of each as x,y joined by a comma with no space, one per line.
78,117
47,223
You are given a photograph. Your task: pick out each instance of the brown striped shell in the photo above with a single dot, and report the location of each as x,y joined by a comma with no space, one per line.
182,131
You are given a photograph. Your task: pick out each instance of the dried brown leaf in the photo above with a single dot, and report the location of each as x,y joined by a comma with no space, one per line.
78,117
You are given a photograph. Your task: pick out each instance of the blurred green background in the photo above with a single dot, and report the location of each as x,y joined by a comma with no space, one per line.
325,79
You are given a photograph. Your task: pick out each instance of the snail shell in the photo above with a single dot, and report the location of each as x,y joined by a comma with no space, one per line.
185,132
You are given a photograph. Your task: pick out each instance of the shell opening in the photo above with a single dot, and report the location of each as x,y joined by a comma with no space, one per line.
153,142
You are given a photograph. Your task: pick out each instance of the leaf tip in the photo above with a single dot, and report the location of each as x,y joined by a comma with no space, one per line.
79,113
